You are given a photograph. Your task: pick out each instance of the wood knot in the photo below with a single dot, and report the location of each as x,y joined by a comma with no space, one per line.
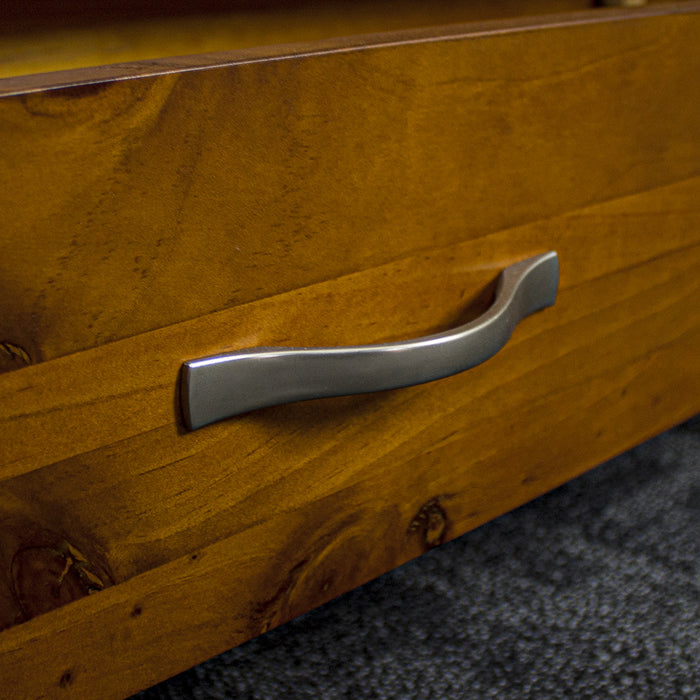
45,578
12,357
66,679
431,522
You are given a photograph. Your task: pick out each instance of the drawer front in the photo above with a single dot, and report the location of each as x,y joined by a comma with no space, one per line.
336,195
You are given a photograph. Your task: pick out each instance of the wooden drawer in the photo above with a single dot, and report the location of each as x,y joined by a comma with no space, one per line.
335,192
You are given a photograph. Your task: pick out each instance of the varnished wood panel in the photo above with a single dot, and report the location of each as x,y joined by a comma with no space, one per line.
278,174
57,36
131,549
214,536
120,390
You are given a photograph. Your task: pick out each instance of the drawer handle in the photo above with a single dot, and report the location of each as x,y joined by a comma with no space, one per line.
213,388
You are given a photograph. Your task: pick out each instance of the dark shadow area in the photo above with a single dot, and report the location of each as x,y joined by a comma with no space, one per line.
44,14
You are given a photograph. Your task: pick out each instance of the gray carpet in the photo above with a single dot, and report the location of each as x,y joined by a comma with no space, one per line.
591,591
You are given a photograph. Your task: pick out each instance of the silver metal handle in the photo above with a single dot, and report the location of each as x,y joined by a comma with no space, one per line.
217,387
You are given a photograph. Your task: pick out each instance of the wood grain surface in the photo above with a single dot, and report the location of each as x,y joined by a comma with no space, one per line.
272,175
58,36
338,198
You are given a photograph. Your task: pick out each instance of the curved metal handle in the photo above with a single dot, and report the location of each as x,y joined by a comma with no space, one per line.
217,387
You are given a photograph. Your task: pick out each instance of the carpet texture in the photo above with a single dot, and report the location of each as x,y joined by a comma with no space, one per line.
591,591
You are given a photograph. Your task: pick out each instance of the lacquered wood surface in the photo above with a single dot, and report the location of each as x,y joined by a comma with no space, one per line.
217,535
174,546
272,175
61,36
